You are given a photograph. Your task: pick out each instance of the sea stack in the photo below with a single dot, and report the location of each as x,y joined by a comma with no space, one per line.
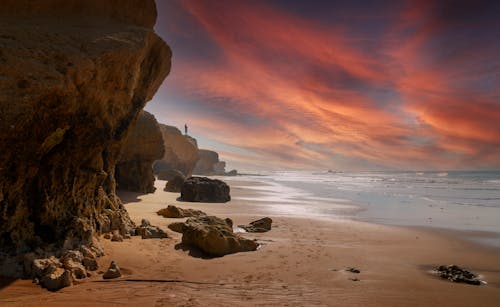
74,77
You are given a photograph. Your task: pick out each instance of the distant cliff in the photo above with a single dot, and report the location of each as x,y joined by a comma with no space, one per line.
181,152
209,164
144,145
74,77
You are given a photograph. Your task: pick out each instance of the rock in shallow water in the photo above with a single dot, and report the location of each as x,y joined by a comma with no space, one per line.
455,273
203,189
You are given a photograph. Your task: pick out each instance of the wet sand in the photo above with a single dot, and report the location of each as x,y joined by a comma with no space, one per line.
301,262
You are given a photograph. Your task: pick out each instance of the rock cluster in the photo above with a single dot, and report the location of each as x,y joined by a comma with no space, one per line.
144,145
176,212
260,225
175,184
56,273
181,152
148,231
213,236
203,189
455,273
74,77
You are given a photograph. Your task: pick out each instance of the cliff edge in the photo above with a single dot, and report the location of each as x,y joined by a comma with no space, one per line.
74,75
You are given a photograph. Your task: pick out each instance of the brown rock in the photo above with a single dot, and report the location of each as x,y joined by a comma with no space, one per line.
74,76
169,174
116,237
112,272
76,268
203,189
177,227
176,212
148,231
175,184
57,279
144,145
215,236
181,152
261,225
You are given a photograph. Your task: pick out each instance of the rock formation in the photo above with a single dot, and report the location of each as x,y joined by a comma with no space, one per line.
148,231
74,75
112,272
143,145
208,164
169,174
203,189
214,236
260,225
176,212
181,152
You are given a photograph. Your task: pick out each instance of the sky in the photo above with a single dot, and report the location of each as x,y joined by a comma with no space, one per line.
341,85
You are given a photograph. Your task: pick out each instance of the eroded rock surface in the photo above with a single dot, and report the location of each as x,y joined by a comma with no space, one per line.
455,273
143,145
73,77
176,212
112,272
214,236
181,152
203,189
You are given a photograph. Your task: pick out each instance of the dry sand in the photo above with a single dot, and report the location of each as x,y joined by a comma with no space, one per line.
301,263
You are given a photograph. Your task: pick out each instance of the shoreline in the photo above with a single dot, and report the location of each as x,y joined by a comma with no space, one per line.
302,261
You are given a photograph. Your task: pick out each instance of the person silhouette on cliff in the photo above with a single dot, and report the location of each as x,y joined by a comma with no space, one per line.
185,129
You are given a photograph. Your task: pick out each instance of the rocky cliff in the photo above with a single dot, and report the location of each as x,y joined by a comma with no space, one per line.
143,145
181,152
73,77
205,165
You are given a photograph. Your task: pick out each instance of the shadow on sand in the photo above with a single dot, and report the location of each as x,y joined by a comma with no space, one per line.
193,251
6,281
129,197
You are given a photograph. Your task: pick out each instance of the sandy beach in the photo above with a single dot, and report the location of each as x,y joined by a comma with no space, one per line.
301,262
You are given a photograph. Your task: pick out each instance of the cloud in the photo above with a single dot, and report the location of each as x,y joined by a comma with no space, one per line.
297,92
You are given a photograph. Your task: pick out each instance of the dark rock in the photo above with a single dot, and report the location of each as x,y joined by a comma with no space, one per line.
261,225
176,212
112,272
353,270
203,189
144,145
147,231
175,184
214,236
169,174
455,273
232,173
88,68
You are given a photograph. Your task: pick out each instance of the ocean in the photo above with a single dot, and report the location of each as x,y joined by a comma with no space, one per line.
452,200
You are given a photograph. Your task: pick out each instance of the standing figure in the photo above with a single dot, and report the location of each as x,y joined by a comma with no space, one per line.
185,129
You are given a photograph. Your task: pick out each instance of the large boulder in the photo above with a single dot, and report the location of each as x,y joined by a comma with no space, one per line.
74,77
181,152
203,189
175,212
144,145
214,236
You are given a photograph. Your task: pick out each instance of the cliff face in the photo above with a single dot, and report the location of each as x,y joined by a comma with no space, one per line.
205,165
181,152
143,145
73,76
